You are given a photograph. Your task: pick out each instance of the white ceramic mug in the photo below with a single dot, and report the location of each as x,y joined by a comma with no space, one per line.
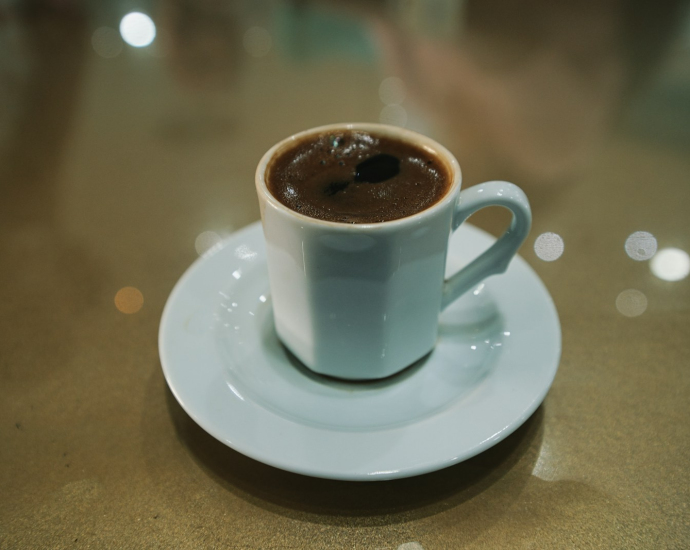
362,301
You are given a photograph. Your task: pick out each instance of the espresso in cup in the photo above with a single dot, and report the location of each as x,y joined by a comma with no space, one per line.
354,176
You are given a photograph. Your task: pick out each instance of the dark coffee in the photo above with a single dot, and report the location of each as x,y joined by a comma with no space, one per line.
355,176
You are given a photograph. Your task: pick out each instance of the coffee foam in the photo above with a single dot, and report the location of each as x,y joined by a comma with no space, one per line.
349,177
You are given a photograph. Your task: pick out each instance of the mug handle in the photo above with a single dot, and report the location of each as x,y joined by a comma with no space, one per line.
496,259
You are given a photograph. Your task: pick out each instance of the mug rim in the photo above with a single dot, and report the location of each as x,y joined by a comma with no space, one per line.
376,128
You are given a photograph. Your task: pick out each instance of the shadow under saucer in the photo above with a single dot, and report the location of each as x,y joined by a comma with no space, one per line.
360,503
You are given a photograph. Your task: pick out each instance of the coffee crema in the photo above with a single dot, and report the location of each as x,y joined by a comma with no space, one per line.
356,176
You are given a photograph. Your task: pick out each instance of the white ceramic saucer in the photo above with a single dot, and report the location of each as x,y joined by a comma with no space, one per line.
497,355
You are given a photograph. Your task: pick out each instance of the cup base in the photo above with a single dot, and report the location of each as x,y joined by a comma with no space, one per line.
400,375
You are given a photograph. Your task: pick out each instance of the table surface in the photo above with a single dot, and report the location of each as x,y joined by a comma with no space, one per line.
119,165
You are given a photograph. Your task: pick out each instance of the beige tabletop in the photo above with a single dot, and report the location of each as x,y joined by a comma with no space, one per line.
120,164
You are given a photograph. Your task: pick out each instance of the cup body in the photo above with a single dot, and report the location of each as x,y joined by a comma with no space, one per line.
357,301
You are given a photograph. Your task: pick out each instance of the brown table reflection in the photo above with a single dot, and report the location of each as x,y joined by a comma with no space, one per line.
128,148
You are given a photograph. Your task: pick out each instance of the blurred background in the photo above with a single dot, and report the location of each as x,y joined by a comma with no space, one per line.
139,123
527,91
129,135
187,94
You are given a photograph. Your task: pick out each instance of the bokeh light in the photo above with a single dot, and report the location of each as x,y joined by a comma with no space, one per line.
137,29
640,246
631,302
394,115
257,41
670,264
549,246
129,299
205,241
392,91
106,42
